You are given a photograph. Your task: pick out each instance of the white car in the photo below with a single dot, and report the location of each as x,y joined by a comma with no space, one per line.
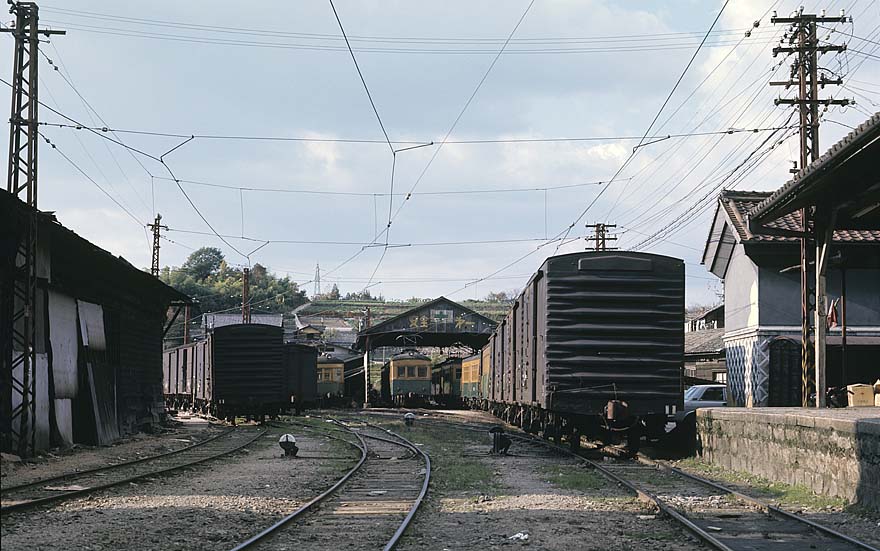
705,396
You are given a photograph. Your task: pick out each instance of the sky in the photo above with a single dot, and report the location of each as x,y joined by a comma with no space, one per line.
481,216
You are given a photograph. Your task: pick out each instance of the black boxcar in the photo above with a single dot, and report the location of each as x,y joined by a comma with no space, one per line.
237,370
301,367
596,340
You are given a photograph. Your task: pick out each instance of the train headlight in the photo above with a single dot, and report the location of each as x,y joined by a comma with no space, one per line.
288,444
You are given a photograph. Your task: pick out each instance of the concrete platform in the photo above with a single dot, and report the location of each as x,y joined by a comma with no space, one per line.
834,452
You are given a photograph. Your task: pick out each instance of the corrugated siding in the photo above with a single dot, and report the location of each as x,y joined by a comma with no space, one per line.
248,364
615,329
139,385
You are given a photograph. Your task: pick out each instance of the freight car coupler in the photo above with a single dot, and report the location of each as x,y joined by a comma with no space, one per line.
288,444
409,419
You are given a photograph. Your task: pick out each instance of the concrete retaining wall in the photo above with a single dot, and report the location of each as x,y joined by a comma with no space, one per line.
834,452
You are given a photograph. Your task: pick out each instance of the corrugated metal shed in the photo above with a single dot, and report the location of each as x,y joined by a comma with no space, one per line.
100,341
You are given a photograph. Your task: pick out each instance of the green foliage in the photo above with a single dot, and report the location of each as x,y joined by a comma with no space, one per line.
216,286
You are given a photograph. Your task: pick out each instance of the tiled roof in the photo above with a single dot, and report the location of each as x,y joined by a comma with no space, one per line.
705,341
740,204
864,133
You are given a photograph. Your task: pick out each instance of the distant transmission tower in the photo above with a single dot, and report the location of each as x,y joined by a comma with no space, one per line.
157,227
600,236
317,279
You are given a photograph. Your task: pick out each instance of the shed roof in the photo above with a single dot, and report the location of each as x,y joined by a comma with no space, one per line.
77,262
845,177
704,342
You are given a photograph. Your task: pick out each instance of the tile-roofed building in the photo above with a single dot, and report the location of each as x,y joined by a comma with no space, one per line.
762,300
704,355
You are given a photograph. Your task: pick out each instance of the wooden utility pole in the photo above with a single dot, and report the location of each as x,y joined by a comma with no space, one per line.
600,236
20,337
245,296
157,228
802,41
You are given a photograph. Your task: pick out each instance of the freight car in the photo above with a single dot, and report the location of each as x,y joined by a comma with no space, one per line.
593,346
238,370
300,366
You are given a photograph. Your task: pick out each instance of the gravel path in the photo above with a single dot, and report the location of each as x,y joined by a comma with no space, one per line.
206,507
533,502
177,435
861,524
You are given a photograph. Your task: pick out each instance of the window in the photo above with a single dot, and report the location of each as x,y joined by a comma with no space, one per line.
720,377
338,374
401,372
410,371
423,371
458,373
713,394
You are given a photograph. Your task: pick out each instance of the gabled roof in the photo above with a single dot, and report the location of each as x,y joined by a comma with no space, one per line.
440,322
741,204
730,226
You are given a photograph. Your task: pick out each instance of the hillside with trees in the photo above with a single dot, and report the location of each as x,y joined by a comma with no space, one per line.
216,286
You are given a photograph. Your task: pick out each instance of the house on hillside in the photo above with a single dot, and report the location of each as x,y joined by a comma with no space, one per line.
762,303
712,318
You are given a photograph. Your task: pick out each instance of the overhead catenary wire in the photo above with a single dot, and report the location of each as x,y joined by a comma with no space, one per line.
428,143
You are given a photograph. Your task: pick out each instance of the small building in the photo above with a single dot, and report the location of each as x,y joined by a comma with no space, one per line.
713,318
762,300
100,325
704,355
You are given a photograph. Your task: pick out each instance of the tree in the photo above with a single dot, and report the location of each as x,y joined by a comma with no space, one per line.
500,296
334,293
203,262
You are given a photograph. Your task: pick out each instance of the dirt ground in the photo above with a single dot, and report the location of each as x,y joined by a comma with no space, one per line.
530,498
214,505
539,502
179,433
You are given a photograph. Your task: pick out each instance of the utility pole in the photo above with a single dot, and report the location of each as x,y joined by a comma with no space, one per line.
20,341
187,313
802,41
245,296
367,359
600,236
317,279
157,228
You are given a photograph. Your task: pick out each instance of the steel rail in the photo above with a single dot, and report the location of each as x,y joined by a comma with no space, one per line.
114,466
424,491
310,504
762,504
75,493
672,513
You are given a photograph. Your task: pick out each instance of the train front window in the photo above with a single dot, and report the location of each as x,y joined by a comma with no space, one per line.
401,372
423,371
411,371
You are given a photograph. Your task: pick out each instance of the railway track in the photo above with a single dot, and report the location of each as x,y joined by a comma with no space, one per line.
370,506
721,517
75,484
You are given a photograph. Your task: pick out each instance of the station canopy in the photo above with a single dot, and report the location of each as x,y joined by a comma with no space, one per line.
440,322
